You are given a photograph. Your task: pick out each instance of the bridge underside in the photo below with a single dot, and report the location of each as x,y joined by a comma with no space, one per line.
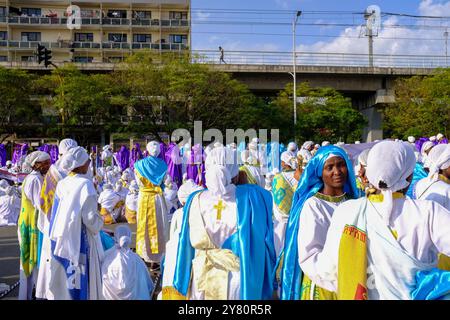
368,88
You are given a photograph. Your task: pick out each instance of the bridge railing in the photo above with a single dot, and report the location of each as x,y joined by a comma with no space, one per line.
320,59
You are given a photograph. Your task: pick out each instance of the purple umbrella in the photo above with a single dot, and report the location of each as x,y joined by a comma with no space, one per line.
123,157
420,142
2,155
195,165
135,155
20,151
54,153
174,163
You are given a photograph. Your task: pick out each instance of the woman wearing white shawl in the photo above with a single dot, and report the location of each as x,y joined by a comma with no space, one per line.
124,275
74,232
252,169
426,148
186,189
111,204
404,235
9,207
28,231
55,174
131,202
437,185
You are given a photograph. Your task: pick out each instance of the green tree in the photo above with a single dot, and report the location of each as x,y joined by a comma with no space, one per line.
422,106
16,108
323,114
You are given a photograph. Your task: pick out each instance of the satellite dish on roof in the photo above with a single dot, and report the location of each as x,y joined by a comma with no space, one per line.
373,17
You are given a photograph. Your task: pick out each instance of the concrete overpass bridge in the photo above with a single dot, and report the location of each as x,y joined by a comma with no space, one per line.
266,73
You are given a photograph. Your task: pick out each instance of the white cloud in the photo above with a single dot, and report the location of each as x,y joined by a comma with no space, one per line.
390,40
202,16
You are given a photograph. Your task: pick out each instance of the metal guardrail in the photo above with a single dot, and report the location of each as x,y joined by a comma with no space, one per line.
320,59
97,21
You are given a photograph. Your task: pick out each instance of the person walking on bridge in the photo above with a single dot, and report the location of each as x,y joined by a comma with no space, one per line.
222,52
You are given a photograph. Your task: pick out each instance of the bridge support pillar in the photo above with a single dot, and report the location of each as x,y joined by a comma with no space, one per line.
374,129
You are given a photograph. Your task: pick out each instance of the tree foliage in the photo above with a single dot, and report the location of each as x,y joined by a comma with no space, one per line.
16,108
422,106
322,114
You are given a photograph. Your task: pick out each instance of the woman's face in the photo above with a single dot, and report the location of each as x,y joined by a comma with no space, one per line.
335,172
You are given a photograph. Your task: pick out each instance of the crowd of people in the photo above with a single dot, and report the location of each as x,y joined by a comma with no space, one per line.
237,222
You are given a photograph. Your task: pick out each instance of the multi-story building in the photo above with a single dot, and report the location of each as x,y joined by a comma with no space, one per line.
109,31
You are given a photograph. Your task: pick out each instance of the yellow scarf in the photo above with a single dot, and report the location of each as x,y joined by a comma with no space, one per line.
28,235
146,216
352,265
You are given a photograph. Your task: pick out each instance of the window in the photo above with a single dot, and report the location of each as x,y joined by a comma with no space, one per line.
31,36
142,15
84,37
83,59
178,15
117,37
3,35
142,38
2,11
117,14
178,38
31,12
86,13
3,58
28,58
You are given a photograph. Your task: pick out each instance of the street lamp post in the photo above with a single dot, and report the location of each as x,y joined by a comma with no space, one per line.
294,63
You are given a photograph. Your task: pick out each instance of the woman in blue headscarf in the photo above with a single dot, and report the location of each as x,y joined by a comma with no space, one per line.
327,181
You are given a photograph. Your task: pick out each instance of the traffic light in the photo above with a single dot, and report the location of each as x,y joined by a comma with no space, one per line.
40,53
45,55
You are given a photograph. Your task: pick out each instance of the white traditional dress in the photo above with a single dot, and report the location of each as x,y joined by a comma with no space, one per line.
411,242
76,243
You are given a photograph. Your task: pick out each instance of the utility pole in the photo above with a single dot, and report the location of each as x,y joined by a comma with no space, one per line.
446,48
367,16
294,62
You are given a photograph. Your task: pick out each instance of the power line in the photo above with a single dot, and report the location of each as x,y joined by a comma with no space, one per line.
316,35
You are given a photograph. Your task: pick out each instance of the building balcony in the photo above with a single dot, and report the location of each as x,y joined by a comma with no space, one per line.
173,23
93,45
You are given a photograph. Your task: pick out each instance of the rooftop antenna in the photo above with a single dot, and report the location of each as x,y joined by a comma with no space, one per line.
372,15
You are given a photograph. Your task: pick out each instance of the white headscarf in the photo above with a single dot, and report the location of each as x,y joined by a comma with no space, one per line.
411,139
74,158
126,176
289,159
66,144
122,236
390,163
106,147
362,158
153,148
439,136
134,188
186,189
438,159
36,156
325,143
221,166
307,145
292,146
8,162
433,138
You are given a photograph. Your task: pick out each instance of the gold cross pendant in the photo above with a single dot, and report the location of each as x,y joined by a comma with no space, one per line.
219,207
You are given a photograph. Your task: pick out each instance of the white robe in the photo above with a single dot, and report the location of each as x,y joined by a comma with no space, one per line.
420,234
280,220
219,231
108,200
9,210
315,219
438,191
92,220
32,189
125,276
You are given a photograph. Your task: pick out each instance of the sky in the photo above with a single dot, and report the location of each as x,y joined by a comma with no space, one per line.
242,25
